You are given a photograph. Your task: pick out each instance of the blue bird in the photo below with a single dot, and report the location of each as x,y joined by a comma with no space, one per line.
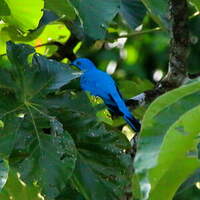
100,84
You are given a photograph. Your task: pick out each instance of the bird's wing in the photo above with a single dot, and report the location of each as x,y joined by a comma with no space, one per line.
98,83
101,84
112,96
129,118
119,102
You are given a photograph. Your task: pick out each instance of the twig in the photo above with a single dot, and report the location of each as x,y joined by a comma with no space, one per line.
49,44
136,33
193,76
3,55
65,50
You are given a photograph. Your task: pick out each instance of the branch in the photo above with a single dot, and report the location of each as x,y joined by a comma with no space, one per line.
65,50
3,55
179,46
193,76
136,33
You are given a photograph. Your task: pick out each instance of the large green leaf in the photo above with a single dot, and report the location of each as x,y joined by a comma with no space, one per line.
158,10
25,15
4,9
96,15
16,189
171,121
4,169
62,8
42,158
133,11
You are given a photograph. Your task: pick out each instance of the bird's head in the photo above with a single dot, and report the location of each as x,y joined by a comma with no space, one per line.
83,64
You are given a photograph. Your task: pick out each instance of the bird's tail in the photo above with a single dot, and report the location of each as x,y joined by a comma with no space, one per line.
133,123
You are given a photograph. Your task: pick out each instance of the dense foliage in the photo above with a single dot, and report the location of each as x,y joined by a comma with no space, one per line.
59,143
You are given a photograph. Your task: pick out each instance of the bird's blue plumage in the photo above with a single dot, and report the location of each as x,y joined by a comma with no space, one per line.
99,83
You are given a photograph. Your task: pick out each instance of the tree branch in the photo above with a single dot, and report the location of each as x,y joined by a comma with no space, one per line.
179,46
137,33
193,76
65,50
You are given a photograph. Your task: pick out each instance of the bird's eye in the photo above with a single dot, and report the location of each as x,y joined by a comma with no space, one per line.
78,63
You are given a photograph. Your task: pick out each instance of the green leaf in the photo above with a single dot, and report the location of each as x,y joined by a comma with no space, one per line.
96,15
4,169
102,167
4,37
70,193
133,12
4,9
25,15
16,189
171,121
51,161
18,55
158,11
103,170
62,8
196,3
39,121
6,81
46,159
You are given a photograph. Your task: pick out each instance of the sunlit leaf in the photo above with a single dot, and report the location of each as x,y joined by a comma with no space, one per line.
16,189
171,121
25,15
